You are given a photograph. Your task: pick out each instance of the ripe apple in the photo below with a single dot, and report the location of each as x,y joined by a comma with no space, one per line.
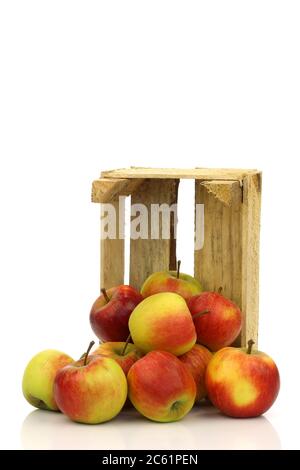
196,360
242,383
171,281
92,390
160,387
110,312
126,354
39,377
163,321
218,321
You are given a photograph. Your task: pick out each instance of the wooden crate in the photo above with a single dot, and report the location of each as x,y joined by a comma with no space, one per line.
230,255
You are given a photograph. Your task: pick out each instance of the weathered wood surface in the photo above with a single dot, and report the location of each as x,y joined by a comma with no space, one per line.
112,251
219,262
250,256
224,191
150,255
164,173
108,189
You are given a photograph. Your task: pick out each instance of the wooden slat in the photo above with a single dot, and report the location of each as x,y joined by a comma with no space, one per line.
108,189
219,262
148,256
112,252
250,256
165,173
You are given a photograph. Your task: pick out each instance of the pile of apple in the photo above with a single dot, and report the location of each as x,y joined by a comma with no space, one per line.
164,348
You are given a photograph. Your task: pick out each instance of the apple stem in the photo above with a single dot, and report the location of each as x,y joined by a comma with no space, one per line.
105,294
178,268
125,346
220,290
250,344
198,315
87,352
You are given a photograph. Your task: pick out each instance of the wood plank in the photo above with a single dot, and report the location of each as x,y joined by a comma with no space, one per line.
112,250
250,256
150,255
173,173
108,189
219,262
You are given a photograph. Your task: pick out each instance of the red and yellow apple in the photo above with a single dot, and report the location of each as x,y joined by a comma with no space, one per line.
196,360
242,383
218,321
39,377
92,390
160,387
163,322
126,354
110,312
171,281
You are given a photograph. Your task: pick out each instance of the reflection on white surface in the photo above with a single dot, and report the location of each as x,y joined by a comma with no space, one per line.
203,428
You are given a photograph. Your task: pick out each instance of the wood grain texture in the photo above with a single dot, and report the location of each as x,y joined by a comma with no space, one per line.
164,173
250,256
108,189
148,255
112,252
219,262
224,191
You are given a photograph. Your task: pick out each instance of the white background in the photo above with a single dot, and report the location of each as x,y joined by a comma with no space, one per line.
93,85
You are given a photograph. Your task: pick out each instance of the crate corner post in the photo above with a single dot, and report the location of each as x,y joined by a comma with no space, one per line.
251,207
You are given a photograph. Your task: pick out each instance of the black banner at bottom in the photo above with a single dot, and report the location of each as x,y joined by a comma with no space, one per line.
136,458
